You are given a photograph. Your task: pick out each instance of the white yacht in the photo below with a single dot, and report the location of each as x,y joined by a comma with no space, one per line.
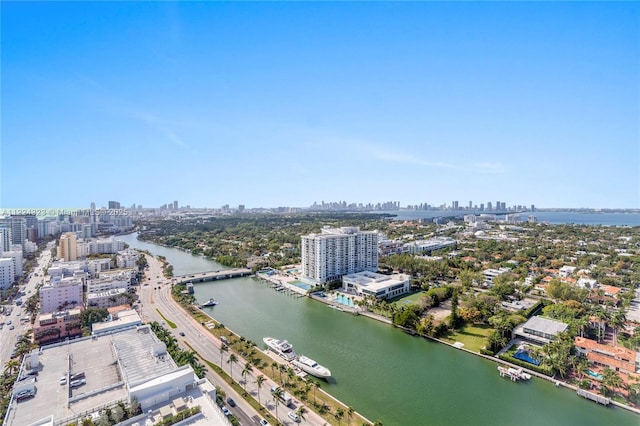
281,347
310,366
210,302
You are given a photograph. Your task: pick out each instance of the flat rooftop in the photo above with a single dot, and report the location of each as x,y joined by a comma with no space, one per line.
97,357
375,281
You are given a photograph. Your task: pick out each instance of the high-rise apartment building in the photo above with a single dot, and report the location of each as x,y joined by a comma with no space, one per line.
338,251
7,272
114,205
68,247
18,227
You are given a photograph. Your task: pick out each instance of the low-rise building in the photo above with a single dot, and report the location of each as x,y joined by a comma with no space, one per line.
53,326
120,320
540,330
617,358
373,284
109,298
60,294
430,245
491,274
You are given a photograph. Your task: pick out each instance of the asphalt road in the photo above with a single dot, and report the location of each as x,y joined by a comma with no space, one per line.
9,337
153,296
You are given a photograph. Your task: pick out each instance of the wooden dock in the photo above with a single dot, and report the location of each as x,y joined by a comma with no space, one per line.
594,397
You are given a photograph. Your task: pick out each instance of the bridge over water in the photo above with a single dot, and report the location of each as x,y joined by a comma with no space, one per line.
223,274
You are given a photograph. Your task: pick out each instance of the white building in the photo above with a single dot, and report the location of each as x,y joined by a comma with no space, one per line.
16,258
566,271
104,246
338,251
430,245
59,295
127,258
491,274
121,320
7,272
108,282
108,299
368,283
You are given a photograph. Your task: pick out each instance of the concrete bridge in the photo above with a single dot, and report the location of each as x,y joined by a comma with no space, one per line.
223,274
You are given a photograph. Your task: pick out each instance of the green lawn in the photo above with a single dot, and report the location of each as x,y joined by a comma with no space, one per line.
407,300
474,337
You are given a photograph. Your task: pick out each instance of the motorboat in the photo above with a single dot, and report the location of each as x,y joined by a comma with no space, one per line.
210,302
310,366
281,347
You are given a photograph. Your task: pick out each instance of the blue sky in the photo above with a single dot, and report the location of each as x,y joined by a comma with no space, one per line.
283,104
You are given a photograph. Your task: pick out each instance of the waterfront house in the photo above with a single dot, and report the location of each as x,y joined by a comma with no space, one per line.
617,358
540,330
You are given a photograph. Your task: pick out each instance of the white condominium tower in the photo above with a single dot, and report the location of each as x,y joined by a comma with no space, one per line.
337,252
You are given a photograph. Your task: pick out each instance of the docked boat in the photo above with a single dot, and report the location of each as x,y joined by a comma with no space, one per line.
210,302
281,347
310,366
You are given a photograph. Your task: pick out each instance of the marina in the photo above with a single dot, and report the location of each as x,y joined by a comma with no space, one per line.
515,374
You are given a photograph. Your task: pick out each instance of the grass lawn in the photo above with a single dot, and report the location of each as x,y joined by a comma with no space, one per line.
407,300
474,337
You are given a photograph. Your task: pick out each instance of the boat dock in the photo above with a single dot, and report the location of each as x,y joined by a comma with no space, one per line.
514,374
594,397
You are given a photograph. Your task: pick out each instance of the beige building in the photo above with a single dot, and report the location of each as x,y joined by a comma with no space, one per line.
68,247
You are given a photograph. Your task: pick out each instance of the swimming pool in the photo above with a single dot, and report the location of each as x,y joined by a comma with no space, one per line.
595,375
344,300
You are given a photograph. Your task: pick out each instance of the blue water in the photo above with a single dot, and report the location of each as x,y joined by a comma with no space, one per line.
343,300
595,375
556,217
526,358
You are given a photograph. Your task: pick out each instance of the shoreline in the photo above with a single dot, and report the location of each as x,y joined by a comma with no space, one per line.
558,382
278,280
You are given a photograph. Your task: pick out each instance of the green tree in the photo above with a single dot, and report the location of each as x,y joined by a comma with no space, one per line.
259,381
232,360
610,381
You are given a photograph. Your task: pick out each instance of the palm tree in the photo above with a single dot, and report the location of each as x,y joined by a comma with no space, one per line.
274,365
339,414
232,360
11,366
259,381
301,412
581,367
617,322
350,412
314,386
277,394
246,370
610,380
223,349
282,369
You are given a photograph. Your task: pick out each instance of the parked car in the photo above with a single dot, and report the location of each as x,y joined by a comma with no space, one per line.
181,333
25,394
263,422
63,380
231,402
77,383
226,411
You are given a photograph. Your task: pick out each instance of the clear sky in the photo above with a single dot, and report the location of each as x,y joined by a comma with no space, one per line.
283,104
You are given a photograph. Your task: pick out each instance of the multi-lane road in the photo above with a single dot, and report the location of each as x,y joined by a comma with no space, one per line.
12,326
158,296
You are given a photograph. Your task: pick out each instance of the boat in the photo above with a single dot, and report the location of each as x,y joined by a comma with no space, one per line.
210,302
310,366
281,347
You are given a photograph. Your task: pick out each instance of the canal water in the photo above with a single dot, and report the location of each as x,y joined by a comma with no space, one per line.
382,372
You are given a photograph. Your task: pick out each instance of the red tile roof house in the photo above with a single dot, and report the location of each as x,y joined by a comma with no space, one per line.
617,358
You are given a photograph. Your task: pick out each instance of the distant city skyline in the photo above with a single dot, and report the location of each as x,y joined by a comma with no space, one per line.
286,104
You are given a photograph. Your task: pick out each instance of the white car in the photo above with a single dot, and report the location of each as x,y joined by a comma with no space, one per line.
226,411
263,422
293,416
63,380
